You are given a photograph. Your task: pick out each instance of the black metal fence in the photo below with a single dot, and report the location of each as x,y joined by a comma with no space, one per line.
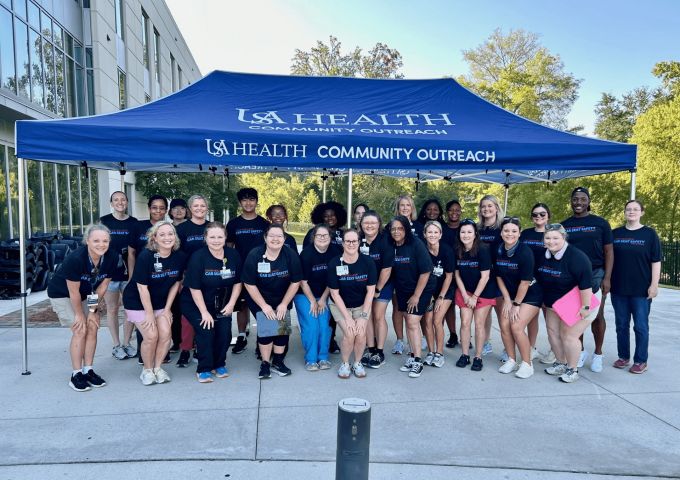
670,263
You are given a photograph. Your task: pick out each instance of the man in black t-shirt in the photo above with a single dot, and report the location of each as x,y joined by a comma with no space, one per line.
244,233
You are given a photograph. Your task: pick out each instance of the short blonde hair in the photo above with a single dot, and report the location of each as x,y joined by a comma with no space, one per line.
95,227
151,233
409,199
430,223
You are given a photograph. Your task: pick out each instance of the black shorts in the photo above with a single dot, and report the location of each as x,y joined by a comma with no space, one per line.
425,300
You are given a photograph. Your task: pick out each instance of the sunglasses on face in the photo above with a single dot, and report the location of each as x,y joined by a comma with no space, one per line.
539,214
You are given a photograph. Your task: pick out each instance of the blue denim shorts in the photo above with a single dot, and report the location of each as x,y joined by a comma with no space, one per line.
386,293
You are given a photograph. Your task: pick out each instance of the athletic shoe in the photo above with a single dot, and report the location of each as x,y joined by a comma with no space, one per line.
204,377
79,382
423,343
333,347
621,363
161,375
140,360
556,369
463,361
240,346
398,348
487,349
525,370
377,360
638,368
453,341
406,367
167,358
477,364
118,353
366,357
582,359
596,363
221,372
147,377
324,364
508,367
548,358
94,380
569,376
344,371
358,370
504,356
429,359
311,366
281,369
265,371
416,369
535,353
183,359
130,351
438,360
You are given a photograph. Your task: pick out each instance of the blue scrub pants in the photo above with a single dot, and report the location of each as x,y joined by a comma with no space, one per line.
315,331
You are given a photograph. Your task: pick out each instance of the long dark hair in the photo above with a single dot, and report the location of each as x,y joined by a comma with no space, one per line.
476,243
408,235
422,218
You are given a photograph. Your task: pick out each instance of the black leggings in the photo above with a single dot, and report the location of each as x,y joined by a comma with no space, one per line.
277,340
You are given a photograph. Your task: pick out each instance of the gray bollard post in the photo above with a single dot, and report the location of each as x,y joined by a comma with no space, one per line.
354,438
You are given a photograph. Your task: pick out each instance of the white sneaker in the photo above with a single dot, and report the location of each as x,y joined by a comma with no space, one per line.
582,359
344,371
429,359
147,377
596,363
508,366
358,370
525,370
161,375
438,360
398,348
548,358
569,376
118,352
556,369
406,367
534,353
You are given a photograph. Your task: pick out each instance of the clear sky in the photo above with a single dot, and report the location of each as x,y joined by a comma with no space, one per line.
611,45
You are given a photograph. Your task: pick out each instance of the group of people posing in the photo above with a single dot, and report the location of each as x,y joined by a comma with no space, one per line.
181,280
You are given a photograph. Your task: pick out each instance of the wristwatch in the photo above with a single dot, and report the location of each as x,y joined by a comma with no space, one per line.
364,315
585,307
377,290
515,304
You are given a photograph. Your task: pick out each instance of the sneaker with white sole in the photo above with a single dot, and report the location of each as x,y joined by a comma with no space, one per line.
79,383
416,369
130,351
556,369
324,364
504,356
508,366
487,349
582,359
438,360
596,363
118,353
147,377
570,375
535,353
377,360
429,359
311,366
344,371
548,358
525,370
366,357
358,370
406,367
398,348
161,375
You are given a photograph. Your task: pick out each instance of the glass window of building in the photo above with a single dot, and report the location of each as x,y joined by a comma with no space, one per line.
46,24
13,168
145,39
4,217
33,15
37,80
7,3
51,205
7,70
48,55
57,34
119,18
71,102
63,192
157,60
122,93
22,60
173,72
60,83
34,195
20,8
179,76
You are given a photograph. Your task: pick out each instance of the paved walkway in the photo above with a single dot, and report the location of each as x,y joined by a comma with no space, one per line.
450,423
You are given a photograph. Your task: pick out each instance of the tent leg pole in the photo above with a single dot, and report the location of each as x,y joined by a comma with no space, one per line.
632,185
323,188
22,264
122,181
349,198
505,202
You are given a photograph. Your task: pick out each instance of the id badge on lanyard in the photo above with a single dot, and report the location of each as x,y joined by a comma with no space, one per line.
438,271
342,269
225,273
364,249
264,266
157,265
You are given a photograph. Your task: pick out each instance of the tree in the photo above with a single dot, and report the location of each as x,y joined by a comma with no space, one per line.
517,73
616,116
327,60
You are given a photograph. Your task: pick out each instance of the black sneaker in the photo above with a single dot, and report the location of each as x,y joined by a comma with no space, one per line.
463,361
333,348
477,364
453,341
240,346
265,371
183,359
79,382
94,380
377,360
281,369
140,361
366,358
167,358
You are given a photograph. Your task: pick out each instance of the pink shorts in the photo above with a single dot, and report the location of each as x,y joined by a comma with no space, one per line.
481,302
137,316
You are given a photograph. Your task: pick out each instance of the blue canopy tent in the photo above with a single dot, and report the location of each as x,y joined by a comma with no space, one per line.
236,122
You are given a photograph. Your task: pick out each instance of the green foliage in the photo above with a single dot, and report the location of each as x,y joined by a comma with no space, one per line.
616,117
328,60
517,73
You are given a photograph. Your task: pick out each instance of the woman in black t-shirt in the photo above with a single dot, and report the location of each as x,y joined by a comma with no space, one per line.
212,284
149,295
451,236
473,296
271,276
635,282
564,269
351,280
278,214
76,292
414,286
521,295
444,265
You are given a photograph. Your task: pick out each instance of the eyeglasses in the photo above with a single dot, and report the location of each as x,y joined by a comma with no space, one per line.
539,214
322,235
397,229
351,242
553,226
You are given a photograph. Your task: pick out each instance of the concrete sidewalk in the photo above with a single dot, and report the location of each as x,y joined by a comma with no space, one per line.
448,423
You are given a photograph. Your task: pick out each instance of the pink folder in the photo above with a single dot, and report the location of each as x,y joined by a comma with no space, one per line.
569,305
